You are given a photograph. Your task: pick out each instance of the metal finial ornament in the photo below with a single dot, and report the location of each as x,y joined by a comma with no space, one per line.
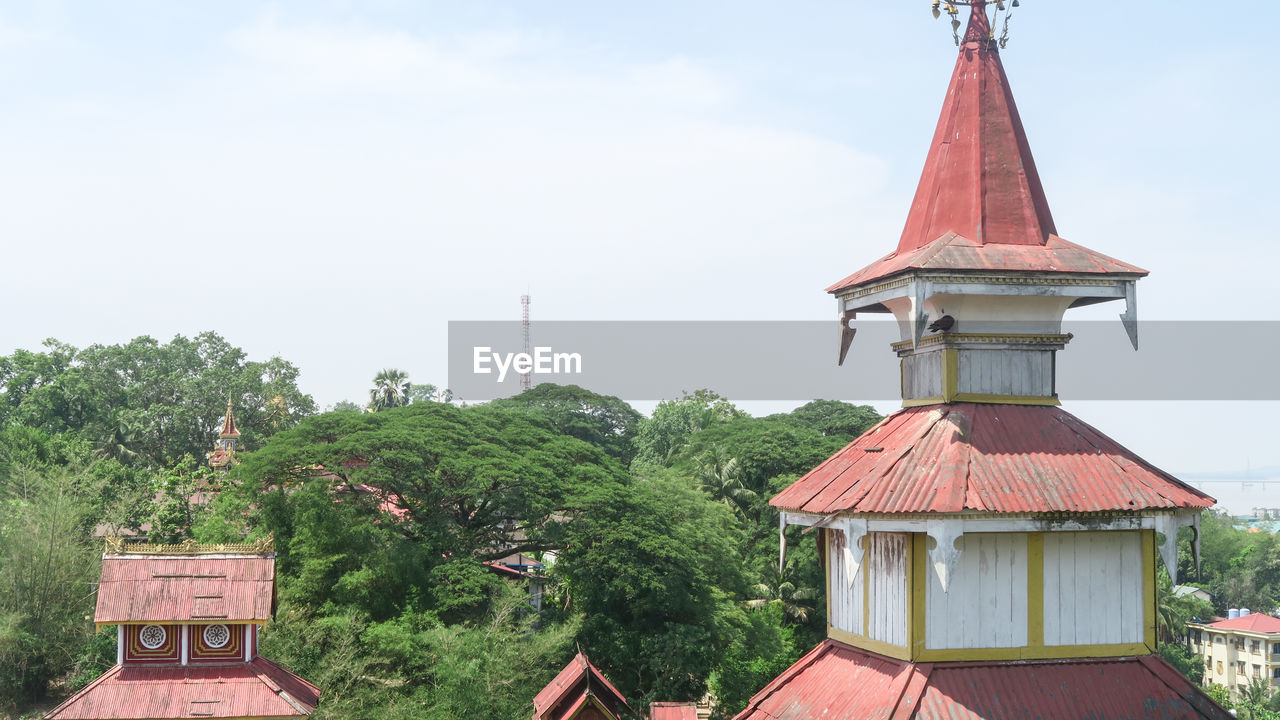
1002,8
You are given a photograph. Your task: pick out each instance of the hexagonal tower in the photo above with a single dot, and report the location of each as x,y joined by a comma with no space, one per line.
988,554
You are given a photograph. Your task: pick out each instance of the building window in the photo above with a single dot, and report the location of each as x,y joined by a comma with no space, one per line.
1220,639
1275,647
1257,670
216,636
1240,667
1255,647
1219,667
1275,673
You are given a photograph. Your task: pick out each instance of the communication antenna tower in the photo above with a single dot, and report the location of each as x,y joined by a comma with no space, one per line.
524,329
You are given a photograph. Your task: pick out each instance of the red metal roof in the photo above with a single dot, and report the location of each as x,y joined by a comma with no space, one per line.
673,711
839,682
229,425
203,588
257,689
1253,622
578,679
990,458
980,204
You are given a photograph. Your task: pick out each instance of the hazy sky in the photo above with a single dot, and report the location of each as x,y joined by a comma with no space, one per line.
334,181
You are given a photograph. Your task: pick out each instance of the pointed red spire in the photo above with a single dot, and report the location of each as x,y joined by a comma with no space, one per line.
229,425
980,204
979,180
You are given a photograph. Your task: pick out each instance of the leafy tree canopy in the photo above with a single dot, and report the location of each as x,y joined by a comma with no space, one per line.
602,420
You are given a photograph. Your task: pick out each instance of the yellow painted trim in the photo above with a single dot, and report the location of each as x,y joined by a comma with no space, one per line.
919,580
866,643
594,701
950,374
1035,590
918,402
1149,588
1047,652
1045,400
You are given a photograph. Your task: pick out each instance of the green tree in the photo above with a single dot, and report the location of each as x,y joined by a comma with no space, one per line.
429,393
654,568
833,418
602,420
47,577
719,476
781,590
390,390
674,421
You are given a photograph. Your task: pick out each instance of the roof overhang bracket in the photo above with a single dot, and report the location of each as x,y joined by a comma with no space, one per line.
919,291
1130,315
1168,525
944,554
847,331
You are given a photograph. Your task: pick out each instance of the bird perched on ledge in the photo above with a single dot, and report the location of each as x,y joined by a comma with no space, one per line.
942,324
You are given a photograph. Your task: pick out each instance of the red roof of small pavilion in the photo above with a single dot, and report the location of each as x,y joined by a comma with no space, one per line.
1253,622
259,689
229,425
835,681
673,711
575,683
191,588
986,458
980,204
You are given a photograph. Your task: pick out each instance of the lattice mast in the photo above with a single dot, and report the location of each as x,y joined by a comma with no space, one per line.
525,379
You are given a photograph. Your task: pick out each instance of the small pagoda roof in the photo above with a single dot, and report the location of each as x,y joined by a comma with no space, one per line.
229,429
185,583
979,457
835,681
673,711
258,689
578,684
980,205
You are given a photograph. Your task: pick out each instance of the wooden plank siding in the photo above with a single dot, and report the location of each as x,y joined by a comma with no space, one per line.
1093,588
887,587
844,598
986,604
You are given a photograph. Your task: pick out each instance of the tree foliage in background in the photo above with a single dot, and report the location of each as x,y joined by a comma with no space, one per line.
602,420
147,402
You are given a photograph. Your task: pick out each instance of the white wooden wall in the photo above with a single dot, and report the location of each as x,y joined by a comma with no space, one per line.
922,375
986,606
844,599
1005,372
1093,588
886,559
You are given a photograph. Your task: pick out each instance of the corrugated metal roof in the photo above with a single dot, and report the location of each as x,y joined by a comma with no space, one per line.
577,679
1253,622
839,682
980,204
191,588
257,689
673,711
981,457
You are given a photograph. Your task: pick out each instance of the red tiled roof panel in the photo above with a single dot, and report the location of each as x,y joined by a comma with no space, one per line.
673,711
987,458
1253,622
174,589
257,689
833,682
838,682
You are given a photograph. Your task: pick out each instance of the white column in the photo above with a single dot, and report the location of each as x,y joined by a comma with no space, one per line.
182,636
248,641
119,644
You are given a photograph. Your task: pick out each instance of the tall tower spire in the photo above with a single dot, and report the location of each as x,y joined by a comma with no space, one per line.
987,553
224,449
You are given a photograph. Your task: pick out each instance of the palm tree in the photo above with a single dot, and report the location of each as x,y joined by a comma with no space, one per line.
720,478
781,590
390,390
120,439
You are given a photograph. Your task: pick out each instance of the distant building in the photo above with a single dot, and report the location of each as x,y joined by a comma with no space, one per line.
673,711
1238,649
187,619
1192,591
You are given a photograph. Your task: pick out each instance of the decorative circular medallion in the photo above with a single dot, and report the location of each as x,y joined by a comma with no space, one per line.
152,636
216,636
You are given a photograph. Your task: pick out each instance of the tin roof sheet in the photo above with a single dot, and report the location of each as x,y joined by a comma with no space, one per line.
167,588
980,204
987,458
673,711
839,682
256,689
1253,622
